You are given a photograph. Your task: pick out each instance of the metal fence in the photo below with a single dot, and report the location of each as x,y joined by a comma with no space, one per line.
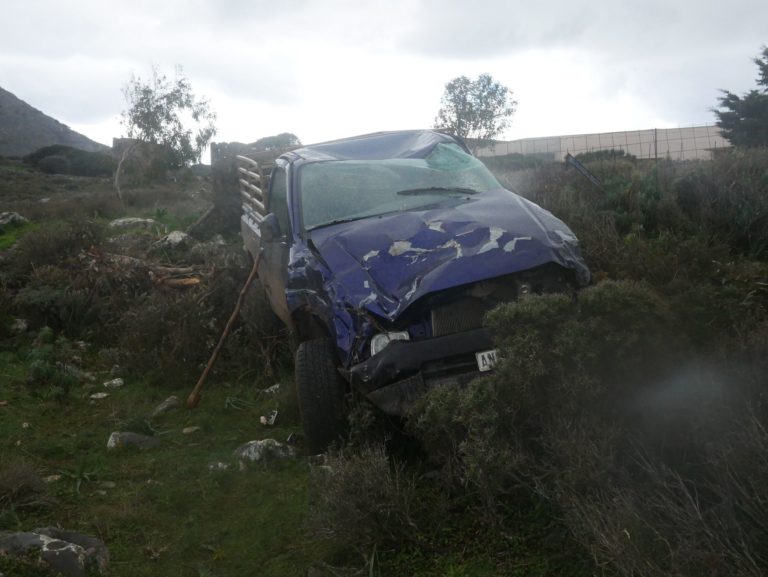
690,143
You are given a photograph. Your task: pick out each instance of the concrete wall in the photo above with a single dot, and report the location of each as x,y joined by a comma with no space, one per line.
693,143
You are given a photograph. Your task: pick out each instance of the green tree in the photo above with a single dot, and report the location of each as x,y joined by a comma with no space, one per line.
281,141
476,110
166,112
744,119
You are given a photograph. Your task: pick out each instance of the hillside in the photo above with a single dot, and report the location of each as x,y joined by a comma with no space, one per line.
24,129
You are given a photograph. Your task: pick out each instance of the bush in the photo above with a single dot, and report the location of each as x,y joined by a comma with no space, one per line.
61,159
21,488
55,164
55,244
604,155
168,335
362,499
604,408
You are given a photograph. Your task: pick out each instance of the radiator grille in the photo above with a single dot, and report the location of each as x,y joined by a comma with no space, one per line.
458,316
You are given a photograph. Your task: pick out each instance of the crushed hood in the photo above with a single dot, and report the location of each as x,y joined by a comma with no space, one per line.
388,262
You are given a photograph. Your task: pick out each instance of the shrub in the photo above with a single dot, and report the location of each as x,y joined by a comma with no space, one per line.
604,155
61,159
55,244
55,164
167,335
21,487
362,499
604,408
51,366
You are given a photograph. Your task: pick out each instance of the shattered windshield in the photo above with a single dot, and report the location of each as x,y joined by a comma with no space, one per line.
342,190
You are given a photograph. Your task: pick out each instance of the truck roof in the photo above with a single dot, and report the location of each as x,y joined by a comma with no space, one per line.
376,146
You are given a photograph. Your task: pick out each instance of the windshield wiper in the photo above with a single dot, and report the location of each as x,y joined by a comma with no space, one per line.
436,189
337,221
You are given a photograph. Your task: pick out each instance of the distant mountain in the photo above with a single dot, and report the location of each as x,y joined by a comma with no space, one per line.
24,129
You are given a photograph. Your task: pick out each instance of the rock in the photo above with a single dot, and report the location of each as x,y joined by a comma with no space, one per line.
19,326
255,451
52,478
190,430
66,552
13,218
175,239
98,396
119,440
274,389
116,371
108,484
269,420
132,221
114,383
170,403
218,466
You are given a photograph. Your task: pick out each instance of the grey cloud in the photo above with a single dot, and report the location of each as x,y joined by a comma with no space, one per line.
641,29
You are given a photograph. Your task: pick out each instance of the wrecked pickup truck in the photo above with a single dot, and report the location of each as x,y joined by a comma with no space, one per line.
382,253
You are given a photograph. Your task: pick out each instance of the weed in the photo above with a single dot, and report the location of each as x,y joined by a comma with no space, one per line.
51,369
363,499
21,488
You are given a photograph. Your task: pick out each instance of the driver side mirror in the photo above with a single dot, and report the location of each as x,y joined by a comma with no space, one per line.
269,228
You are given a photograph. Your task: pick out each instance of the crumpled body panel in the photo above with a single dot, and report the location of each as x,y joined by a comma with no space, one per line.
384,264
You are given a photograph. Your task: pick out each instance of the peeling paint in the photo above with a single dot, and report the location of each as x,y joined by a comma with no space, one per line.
435,225
453,243
510,246
493,242
370,255
400,247
371,298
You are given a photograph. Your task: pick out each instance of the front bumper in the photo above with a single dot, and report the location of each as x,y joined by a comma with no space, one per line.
405,370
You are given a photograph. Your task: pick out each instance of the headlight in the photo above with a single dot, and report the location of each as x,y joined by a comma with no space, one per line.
378,342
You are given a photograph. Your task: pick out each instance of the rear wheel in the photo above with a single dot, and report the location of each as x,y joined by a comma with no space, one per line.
320,389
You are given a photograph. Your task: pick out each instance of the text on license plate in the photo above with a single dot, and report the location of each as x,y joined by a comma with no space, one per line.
486,359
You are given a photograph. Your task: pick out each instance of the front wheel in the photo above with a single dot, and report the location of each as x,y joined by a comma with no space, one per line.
320,389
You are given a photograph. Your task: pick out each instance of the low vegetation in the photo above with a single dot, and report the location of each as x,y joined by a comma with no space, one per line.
624,432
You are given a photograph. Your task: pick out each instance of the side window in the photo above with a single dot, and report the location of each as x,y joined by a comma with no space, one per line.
278,200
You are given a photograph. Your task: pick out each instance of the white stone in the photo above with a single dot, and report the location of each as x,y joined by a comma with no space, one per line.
132,221
255,451
12,218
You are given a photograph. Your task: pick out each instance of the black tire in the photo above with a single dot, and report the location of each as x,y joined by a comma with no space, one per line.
320,389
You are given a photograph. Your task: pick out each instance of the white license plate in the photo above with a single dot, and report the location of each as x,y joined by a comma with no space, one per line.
486,359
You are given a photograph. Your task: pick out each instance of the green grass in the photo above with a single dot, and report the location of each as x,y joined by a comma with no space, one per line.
10,234
163,512
167,513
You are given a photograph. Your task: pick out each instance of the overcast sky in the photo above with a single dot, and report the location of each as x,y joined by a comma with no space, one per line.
324,69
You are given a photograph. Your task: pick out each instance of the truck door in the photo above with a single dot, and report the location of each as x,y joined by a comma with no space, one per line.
273,270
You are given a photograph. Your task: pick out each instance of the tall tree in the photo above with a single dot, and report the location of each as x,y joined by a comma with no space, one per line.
166,112
476,110
744,119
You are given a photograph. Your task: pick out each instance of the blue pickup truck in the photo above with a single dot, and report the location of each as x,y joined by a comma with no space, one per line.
382,253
